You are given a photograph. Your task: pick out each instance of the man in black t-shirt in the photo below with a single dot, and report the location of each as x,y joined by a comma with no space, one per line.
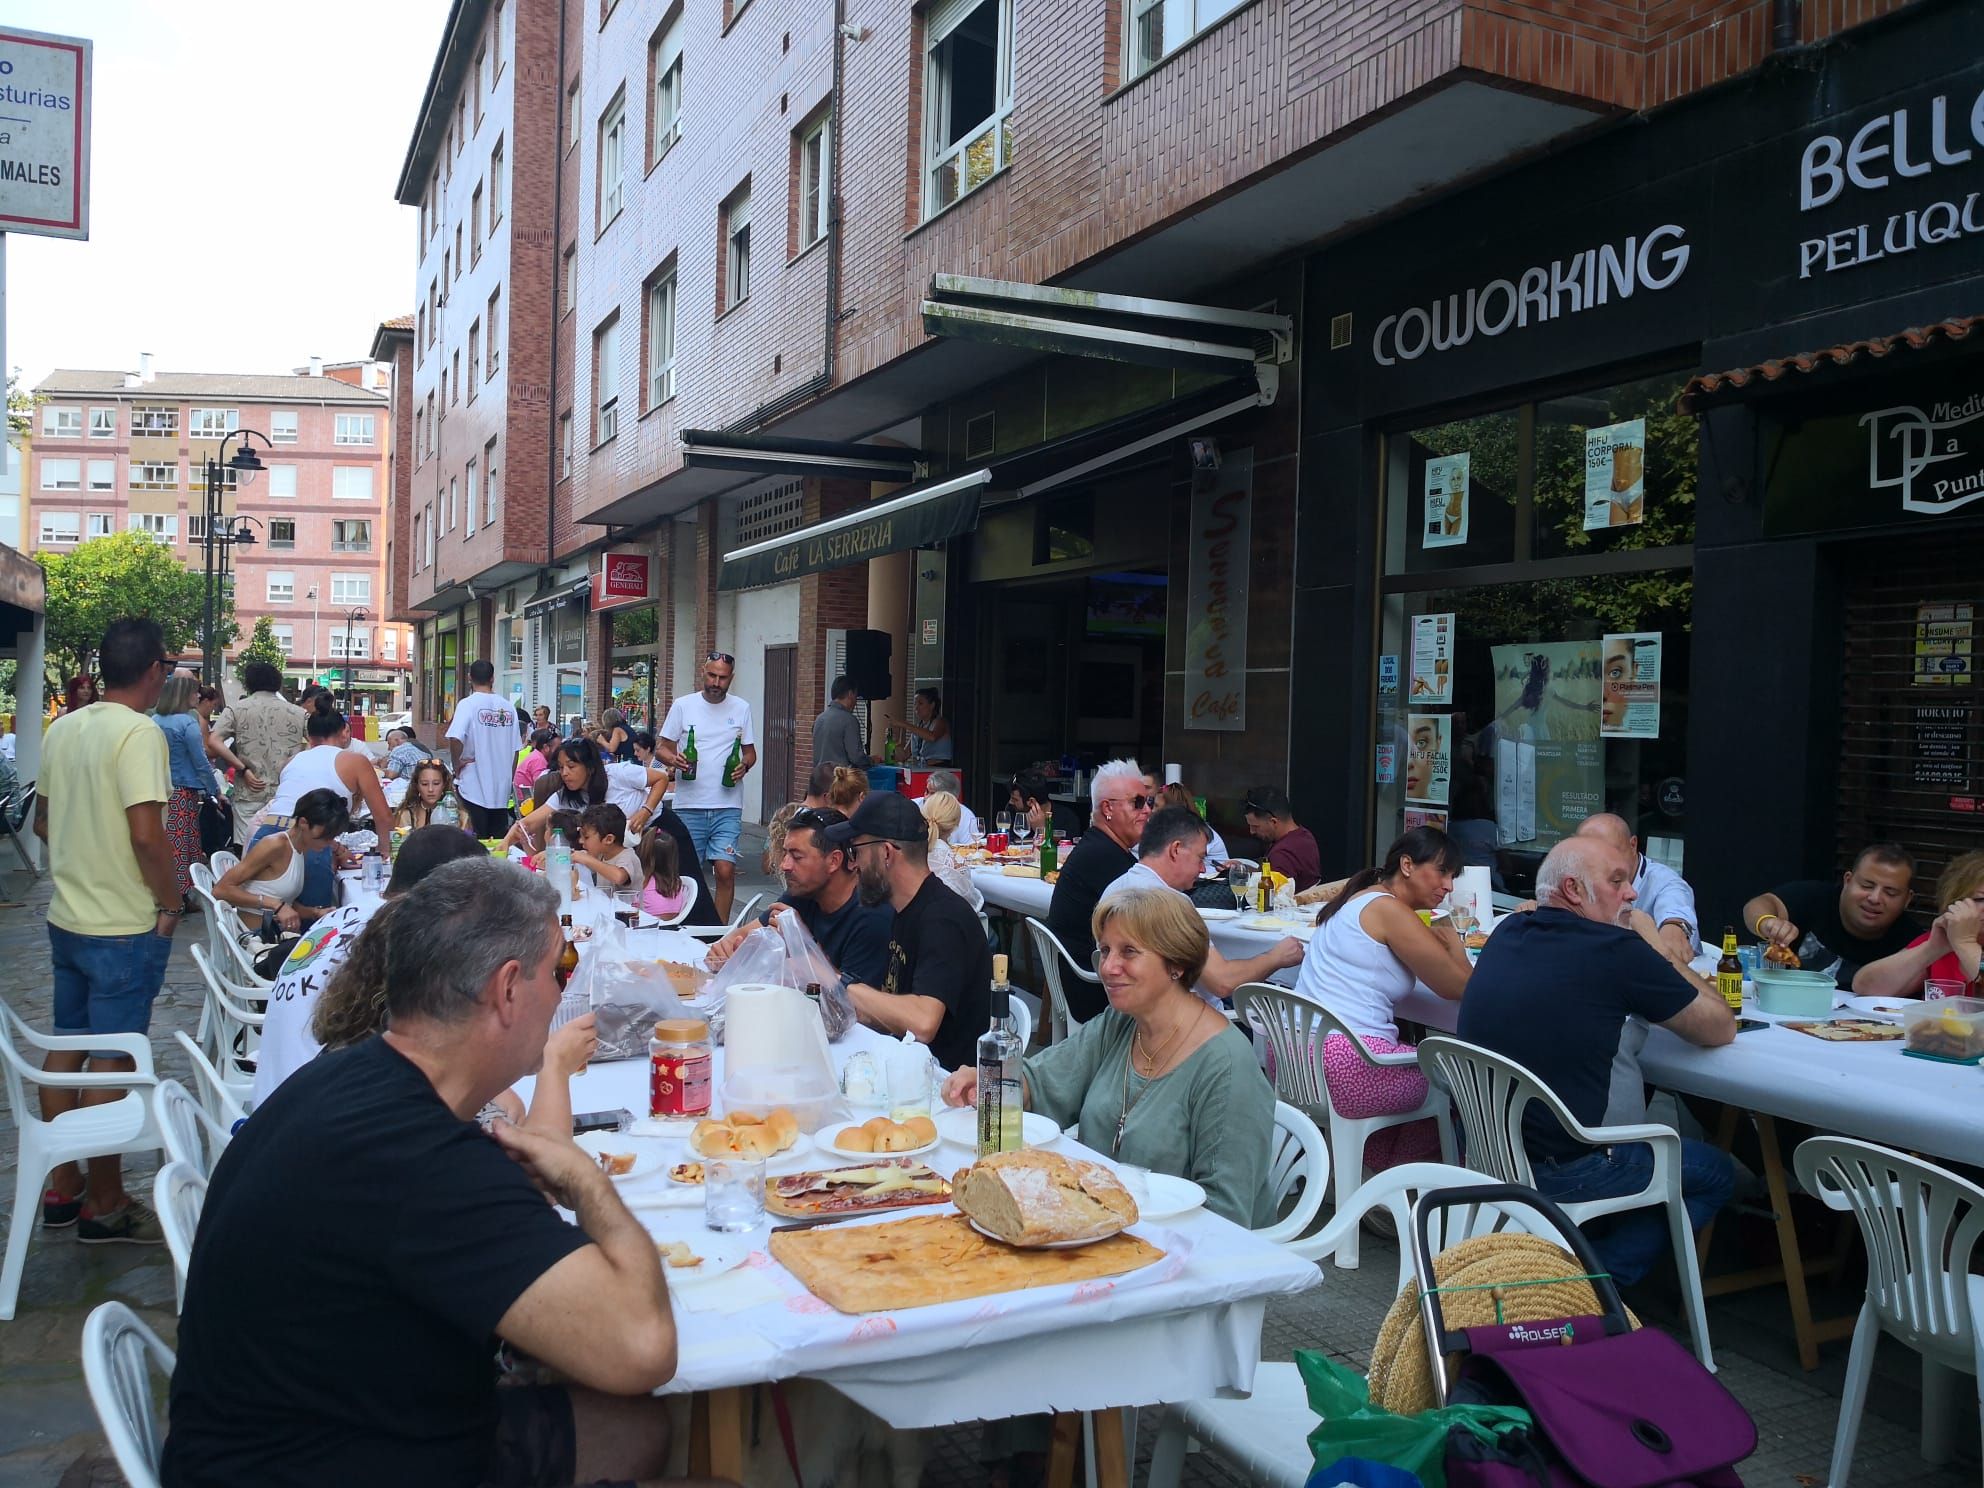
937,984
1122,807
364,1245
1567,991
820,885
1841,927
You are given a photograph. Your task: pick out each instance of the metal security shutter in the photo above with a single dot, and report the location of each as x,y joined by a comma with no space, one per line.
1911,766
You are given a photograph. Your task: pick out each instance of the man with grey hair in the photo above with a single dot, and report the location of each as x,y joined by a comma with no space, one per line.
364,1244
967,830
1567,991
1120,807
1659,892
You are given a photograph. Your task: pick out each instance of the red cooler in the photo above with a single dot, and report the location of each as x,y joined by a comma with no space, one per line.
916,783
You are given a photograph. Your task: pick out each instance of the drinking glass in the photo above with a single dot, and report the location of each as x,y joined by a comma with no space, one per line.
1005,821
908,1072
1022,828
1236,880
734,1194
1935,989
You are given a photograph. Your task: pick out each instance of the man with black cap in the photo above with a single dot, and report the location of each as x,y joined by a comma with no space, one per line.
939,978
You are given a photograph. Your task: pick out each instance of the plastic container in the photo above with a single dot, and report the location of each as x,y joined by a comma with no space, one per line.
1794,994
813,1098
679,1063
883,777
1952,1029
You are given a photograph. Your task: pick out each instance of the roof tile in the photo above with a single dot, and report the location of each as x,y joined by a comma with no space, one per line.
1715,387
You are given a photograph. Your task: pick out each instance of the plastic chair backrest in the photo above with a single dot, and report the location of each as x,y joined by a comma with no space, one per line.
688,903
219,1101
221,862
191,1135
15,1067
119,1354
1294,1028
1490,1094
178,1194
1053,957
1022,1022
1298,1155
231,997
745,913
1921,1224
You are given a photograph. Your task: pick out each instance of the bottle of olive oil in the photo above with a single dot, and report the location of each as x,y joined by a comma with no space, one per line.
1001,1098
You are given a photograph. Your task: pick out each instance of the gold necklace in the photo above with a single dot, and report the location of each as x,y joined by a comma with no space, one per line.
1152,1060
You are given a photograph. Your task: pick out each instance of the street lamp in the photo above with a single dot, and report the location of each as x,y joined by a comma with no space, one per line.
351,619
222,533
316,656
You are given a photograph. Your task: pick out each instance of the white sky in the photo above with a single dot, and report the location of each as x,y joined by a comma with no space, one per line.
308,107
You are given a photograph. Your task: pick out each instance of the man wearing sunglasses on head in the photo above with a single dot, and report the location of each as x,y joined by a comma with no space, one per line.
711,806
1120,806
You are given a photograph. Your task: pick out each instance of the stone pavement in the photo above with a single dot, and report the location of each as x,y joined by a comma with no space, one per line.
48,1433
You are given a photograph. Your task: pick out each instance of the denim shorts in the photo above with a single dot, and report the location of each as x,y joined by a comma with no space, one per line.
714,830
106,983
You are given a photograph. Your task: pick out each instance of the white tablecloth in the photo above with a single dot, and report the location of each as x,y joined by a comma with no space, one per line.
1184,1328
1020,896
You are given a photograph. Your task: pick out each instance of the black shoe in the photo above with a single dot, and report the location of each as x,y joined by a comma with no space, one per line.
58,1213
134,1224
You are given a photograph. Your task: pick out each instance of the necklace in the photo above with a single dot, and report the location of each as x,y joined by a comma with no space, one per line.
1123,1117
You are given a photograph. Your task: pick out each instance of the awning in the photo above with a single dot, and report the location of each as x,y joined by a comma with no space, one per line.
447,597
770,454
1810,370
547,599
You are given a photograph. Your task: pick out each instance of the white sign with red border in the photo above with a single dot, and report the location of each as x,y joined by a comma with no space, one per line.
44,134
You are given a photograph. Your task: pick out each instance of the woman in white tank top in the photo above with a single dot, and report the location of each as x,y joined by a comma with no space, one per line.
269,880
1369,949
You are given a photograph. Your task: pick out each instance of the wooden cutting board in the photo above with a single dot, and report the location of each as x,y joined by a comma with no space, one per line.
937,1258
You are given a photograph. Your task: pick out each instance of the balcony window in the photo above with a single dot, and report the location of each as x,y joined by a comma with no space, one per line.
1160,27
968,97
815,191
661,340
160,526
154,475
665,109
606,380
351,536
736,250
156,423
612,157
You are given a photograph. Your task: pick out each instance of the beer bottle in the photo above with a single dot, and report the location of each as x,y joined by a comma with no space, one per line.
1729,973
689,755
568,959
730,765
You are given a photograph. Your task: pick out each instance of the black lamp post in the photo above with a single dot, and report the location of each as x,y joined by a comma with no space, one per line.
223,533
351,619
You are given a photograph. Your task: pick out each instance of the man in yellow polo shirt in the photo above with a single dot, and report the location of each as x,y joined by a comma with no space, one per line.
101,810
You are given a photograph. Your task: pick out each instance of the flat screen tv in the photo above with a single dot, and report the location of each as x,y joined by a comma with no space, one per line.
1127,604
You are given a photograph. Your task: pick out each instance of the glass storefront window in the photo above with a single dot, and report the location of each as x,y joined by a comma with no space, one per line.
1455,490
1615,471
636,663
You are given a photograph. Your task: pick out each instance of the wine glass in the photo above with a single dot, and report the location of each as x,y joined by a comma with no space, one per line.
1005,821
1022,828
1236,880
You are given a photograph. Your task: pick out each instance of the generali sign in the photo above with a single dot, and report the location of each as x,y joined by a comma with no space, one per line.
622,579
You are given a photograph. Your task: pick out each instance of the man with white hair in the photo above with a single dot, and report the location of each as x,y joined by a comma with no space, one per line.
967,830
1121,806
1567,991
1660,893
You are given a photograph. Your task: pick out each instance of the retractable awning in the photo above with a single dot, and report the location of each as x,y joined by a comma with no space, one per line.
770,454
538,603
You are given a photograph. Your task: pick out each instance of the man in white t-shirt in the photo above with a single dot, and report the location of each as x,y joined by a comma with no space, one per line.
482,737
712,810
967,830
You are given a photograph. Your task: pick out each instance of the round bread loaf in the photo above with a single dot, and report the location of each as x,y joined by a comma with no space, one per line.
1032,1198
856,1139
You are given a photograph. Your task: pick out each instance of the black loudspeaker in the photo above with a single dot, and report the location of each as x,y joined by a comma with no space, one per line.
868,653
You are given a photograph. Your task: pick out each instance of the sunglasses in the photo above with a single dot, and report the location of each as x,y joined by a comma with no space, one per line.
814,817
1139,801
723,656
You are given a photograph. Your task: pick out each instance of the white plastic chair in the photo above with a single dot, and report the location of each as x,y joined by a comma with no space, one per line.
1922,1226
1296,1156
717,932
1295,1029
221,861
1054,960
695,891
190,1135
115,1127
1396,1190
234,1029
215,1096
1022,1021
119,1355
178,1194
1491,1094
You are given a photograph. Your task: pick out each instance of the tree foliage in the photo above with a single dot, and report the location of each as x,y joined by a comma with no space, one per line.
110,578
20,407
262,646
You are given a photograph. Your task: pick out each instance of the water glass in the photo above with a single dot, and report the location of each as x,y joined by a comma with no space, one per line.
1752,957
1004,819
1935,989
734,1194
908,1072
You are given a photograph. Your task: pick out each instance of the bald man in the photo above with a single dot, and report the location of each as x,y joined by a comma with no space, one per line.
1660,893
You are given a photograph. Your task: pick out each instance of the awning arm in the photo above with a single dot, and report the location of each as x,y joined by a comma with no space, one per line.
1112,326
769,454
1268,385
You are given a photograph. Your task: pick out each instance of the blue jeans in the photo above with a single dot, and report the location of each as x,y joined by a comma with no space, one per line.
1628,1244
714,830
106,983
320,874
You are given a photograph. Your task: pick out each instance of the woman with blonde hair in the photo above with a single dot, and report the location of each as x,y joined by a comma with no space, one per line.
849,786
1948,950
1158,1079
941,811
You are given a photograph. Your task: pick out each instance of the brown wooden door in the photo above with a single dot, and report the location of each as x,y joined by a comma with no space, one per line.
781,696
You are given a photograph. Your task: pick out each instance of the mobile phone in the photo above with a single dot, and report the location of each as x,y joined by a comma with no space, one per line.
601,1121
1747,1025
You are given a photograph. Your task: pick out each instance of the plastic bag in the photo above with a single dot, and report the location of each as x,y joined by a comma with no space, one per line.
628,993
806,967
1353,1427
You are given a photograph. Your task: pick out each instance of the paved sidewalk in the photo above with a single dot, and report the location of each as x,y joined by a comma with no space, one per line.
48,1433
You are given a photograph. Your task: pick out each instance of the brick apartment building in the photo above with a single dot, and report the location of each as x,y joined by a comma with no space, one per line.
682,280
116,451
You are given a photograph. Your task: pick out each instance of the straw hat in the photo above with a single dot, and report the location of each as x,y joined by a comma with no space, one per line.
1401,1377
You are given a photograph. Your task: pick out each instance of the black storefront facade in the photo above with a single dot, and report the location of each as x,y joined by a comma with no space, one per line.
1581,526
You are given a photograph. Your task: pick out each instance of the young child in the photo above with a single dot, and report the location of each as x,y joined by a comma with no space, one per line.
603,849
664,892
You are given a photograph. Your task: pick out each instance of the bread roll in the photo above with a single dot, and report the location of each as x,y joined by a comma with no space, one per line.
744,1118
1042,1198
856,1139
710,1139
922,1128
876,1125
896,1139
756,1141
783,1125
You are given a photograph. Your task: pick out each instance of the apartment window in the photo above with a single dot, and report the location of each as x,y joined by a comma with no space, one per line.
1160,27
419,434
515,648
481,82
968,92
665,110
103,423
468,484
432,434
461,124
489,490
351,589
103,475
281,585
153,475
564,446
433,310
456,378
230,479
815,193
612,157
212,423
282,428
196,530
61,475
282,480
351,482
495,341
454,494
159,526
356,428
351,535
606,380
475,224
736,249
152,423
61,423
420,340
571,279
419,526
282,532
495,186
60,527
355,644
661,340
429,510
285,638
474,354
572,100
389,644
500,29
460,258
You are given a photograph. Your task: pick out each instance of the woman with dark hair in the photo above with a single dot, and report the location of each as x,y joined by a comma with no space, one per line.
1372,944
266,731
641,741
584,777
270,882
930,736
618,745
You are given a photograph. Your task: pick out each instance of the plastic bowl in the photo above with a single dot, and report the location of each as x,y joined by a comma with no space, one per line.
813,1102
1794,994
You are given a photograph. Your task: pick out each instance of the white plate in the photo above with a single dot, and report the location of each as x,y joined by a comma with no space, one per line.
1218,914
649,1154
823,1139
1168,1197
959,1127
1887,1009
720,1252
1051,1245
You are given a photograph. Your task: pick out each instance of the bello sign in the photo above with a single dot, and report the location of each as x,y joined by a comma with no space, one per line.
44,134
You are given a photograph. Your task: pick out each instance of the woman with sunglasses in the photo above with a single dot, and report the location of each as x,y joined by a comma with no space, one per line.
430,800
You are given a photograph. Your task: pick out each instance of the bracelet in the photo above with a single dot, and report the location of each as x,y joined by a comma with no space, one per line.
1758,928
169,914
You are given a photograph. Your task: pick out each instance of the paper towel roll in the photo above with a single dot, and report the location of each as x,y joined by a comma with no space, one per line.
769,1026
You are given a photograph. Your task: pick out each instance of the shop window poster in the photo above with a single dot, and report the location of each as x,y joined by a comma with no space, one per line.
1630,686
1433,659
1942,645
1419,816
1549,757
1429,757
1387,763
1615,475
1446,501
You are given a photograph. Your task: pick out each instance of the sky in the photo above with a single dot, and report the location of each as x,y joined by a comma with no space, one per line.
242,163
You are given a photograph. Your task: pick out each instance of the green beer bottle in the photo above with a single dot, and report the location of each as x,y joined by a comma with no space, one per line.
731,765
689,755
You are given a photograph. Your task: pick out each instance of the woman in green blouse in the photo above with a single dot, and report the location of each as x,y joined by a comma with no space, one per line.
1160,1079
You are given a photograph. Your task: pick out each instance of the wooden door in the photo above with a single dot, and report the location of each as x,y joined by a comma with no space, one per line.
781,697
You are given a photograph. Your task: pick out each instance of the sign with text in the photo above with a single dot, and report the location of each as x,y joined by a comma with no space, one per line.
1939,746
1221,538
44,134
622,579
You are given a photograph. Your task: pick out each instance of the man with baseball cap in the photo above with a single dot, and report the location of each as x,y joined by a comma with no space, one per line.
937,986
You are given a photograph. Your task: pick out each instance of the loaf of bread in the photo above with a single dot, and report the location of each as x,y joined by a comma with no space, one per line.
1042,1198
744,1134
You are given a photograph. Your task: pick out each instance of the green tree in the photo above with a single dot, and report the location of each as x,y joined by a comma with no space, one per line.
20,407
109,578
262,646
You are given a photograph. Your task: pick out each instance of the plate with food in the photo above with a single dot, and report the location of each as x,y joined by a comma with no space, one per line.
1042,1200
743,1134
872,1188
701,1256
878,1134
1846,1030
959,1127
623,1158
1881,1007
